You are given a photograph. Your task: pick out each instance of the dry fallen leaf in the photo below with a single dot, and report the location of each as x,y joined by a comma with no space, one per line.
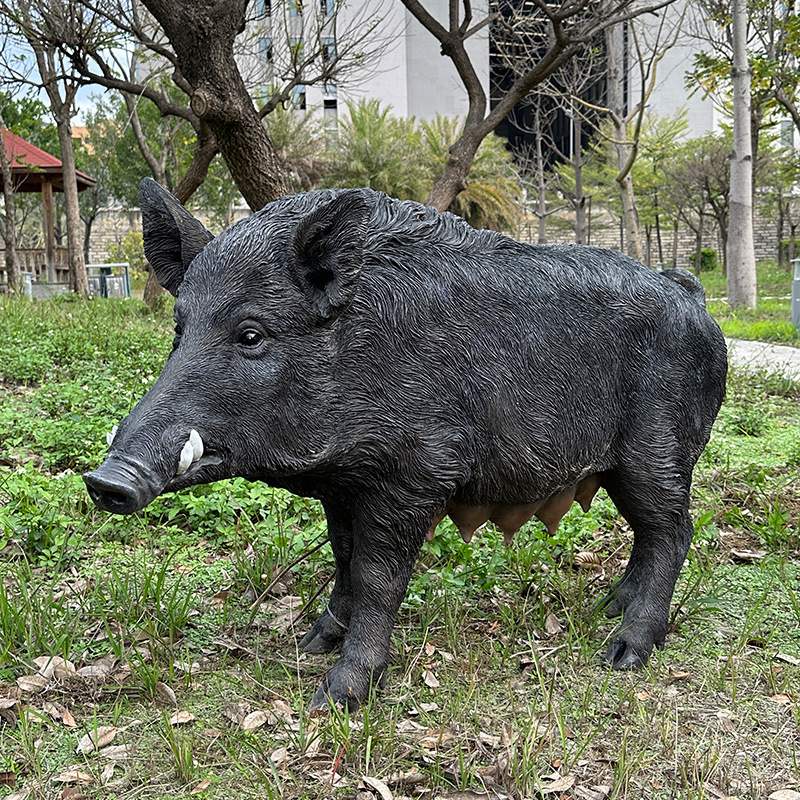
182,718
748,556
782,699
552,625
587,560
94,672
9,709
255,719
74,776
220,597
785,794
166,695
22,794
32,683
68,720
557,784
409,778
8,778
726,721
676,675
72,793
434,739
787,659
117,752
409,726
187,668
376,786
286,611
595,793
431,681
54,667
282,710
201,787
95,740
279,757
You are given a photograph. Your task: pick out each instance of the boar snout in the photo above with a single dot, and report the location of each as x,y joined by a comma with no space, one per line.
121,486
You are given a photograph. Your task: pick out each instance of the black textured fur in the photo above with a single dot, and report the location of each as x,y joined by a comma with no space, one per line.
407,361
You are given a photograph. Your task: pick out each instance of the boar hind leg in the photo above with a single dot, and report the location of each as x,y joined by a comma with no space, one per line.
329,630
657,508
380,569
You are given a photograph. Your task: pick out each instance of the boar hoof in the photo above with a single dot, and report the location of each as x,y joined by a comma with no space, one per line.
627,650
325,636
331,694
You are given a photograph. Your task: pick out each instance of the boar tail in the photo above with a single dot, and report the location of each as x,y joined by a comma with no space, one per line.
689,282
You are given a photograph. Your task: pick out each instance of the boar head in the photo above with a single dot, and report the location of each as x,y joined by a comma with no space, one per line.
248,389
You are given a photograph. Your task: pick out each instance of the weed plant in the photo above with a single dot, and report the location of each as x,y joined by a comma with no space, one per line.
496,681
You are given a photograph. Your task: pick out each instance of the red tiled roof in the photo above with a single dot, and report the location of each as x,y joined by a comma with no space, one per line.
30,166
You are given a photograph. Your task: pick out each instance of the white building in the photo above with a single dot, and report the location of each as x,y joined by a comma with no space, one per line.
401,65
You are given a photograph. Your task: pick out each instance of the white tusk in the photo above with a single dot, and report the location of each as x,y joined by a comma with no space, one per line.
187,456
197,445
110,435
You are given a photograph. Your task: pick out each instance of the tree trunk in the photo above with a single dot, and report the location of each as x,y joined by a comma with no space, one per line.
202,33
675,239
456,172
741,261
698,248
659,243
616,104
780,226
78,281
11,259
581,236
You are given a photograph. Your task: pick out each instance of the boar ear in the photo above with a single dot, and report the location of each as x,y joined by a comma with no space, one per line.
172,236
328,251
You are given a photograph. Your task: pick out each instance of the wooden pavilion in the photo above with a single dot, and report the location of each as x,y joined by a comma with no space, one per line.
34,170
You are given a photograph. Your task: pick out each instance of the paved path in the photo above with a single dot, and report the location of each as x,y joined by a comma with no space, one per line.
763,356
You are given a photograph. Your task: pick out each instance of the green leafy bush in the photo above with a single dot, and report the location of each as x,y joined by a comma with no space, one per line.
708,259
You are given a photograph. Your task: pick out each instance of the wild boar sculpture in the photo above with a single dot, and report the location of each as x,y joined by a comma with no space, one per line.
401,366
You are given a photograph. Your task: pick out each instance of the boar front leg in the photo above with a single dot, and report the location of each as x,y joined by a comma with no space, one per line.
385,549
328,632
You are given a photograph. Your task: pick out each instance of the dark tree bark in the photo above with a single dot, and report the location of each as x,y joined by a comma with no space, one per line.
202,33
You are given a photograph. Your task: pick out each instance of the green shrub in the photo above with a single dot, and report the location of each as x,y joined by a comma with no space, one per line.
708,259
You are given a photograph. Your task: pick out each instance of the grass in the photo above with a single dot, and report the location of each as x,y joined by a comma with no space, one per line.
770,322
496,681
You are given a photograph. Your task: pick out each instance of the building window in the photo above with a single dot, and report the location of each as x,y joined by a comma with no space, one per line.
264,8
330,104
327,7
328,50
295,8
299,97
265,49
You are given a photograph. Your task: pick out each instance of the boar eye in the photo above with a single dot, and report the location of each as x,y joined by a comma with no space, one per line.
250,338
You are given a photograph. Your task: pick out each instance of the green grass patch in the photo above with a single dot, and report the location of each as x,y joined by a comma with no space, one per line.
172,635
771,321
